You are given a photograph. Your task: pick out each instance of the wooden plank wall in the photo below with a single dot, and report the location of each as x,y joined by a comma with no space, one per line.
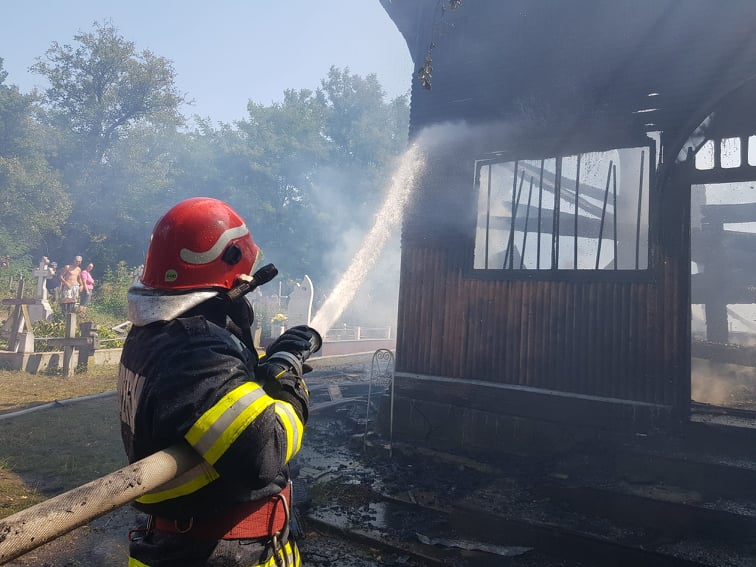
589,338
620,339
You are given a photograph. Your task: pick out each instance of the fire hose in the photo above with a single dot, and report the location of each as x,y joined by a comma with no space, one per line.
35,526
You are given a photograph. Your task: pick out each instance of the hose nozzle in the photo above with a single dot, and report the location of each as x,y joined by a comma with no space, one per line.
316,341
249,283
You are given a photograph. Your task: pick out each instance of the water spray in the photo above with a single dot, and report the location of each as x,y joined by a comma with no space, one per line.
386,219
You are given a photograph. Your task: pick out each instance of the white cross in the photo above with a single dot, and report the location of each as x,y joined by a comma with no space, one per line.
42,272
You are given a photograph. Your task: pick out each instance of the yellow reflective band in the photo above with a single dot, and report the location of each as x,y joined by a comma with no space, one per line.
208,419
236,428
288,555
292,426
136,563
187,483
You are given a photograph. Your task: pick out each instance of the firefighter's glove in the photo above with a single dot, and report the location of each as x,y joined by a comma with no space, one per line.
293,348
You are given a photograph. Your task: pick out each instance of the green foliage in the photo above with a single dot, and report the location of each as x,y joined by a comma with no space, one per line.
111,295
320,160
56,328
48,329
102,87
9,277
33,202
109,338
31,193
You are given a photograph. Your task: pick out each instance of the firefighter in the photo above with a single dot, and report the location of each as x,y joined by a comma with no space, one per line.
189,373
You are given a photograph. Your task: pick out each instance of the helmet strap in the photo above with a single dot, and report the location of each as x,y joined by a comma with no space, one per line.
240,319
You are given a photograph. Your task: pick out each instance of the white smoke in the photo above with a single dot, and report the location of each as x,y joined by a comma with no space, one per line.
387,219
374,270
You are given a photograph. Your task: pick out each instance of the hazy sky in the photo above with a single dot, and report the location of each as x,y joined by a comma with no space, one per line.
226,52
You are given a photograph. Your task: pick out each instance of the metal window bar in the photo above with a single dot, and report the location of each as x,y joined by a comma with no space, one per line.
513,214
743,151
557,211
640,205
577,211
614,208
509,254
525,230
603,214
582,195
488,212
540,208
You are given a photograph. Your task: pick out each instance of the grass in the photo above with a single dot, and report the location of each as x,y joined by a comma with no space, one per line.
47,452
15,494
21,390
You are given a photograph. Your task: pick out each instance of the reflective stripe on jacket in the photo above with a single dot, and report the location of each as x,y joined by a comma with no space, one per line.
189,380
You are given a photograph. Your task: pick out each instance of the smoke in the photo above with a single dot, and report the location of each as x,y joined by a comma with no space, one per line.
728,385
366,292
386,221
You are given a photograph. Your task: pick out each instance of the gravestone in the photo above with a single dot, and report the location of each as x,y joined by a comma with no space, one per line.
300,304
40,309
265,308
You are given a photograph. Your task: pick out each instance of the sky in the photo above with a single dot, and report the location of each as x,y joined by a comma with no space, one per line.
225,53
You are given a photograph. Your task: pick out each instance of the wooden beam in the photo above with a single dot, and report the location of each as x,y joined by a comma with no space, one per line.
731,213
22,301
16,319
75,342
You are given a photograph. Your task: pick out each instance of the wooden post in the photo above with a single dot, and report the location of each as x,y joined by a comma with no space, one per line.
16,320
84,345
87,349
715,275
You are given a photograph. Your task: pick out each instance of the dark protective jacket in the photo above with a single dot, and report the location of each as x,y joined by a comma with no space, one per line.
191,381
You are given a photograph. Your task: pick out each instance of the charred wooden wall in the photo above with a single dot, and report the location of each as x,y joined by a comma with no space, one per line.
610,339
586,341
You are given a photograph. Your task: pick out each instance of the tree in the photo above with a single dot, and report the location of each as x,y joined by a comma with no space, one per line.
321,160
364,128
140,178
286,147
103,87
31,193
105,99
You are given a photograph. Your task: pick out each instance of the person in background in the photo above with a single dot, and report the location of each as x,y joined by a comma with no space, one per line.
190,375
87,285
53,283
70,284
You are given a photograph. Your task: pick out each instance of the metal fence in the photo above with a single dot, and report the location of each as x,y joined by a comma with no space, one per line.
349,333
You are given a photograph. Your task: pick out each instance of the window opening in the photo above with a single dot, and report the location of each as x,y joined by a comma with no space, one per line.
580,212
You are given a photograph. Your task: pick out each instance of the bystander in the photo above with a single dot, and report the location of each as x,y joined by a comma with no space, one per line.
87,285
70,284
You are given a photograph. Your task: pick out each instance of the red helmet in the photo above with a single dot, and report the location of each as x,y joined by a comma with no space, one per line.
199,243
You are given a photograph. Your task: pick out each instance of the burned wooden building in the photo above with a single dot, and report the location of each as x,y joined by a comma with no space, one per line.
589,180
